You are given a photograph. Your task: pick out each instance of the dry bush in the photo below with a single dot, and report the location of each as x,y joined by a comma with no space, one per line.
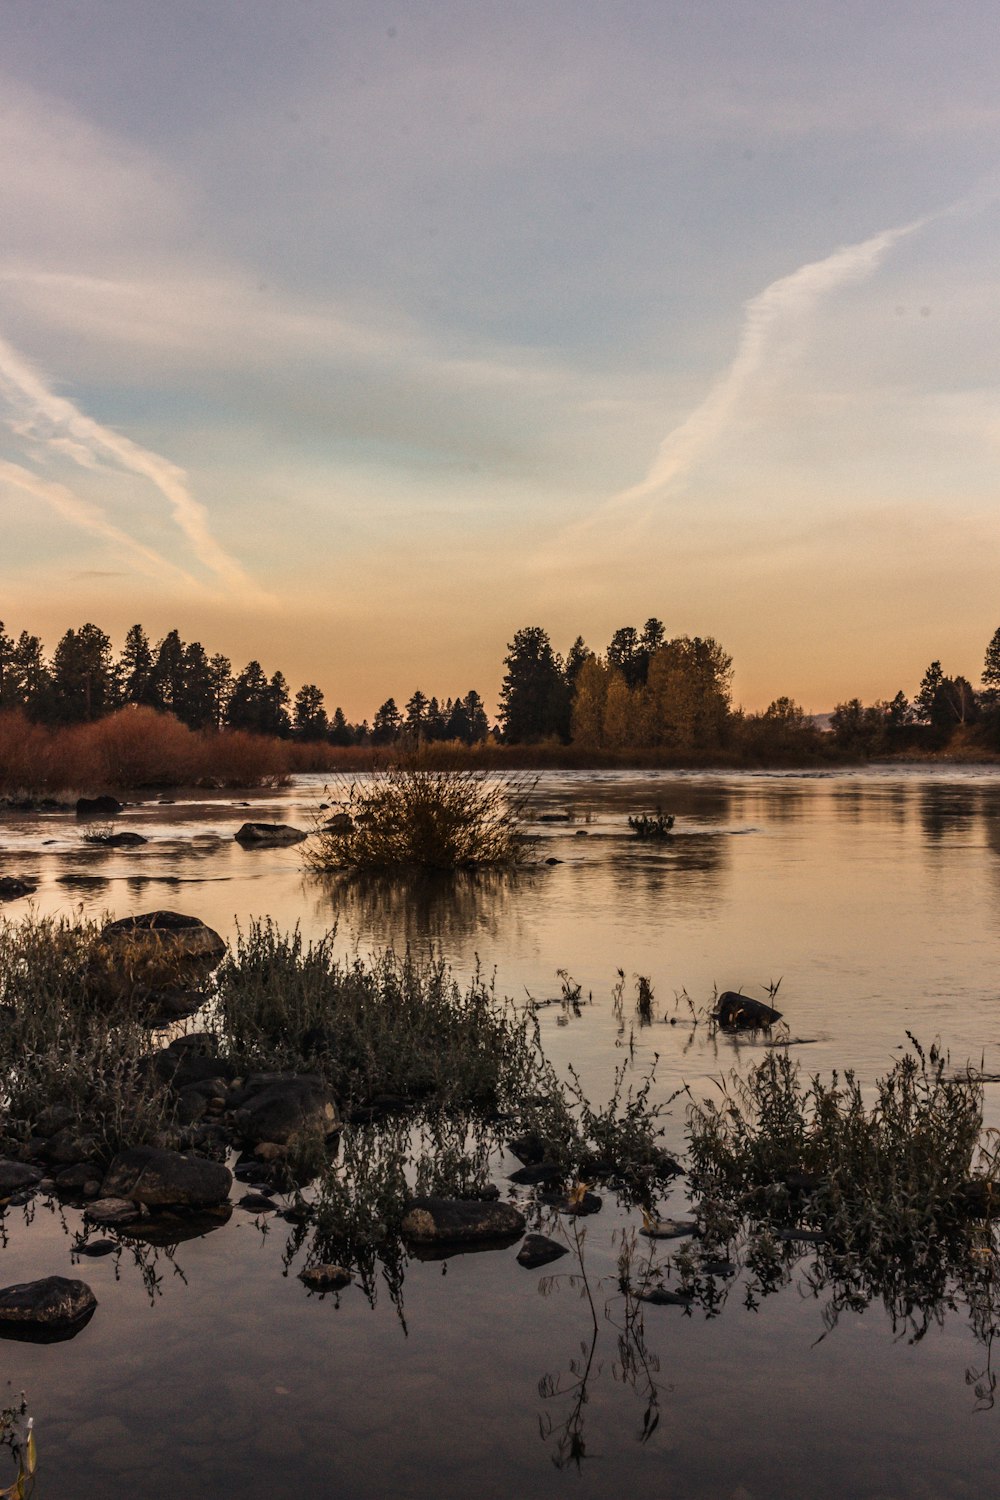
234,758
139,747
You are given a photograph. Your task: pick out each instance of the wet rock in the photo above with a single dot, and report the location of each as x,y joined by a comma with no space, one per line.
530,1148
125,840
269,834
539,1250
151,1176
542,1171
556,817
166,934
325,1278
256,1203
95,1249
84,1179
553,861
47,1310
68,1147
340,823
286,1106
168,1226
461,1221
98,807
112,1211
15,1176
11,888
669,1229
576,1204
735,1012
665,1296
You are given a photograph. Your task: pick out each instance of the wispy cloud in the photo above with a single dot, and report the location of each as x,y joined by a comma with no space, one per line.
57,424
89,517
771,321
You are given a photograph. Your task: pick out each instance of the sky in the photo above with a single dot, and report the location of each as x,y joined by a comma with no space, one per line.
354,336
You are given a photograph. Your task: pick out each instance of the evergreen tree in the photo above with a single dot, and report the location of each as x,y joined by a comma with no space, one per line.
991,666
457,726
436,723
930,684
416,717
8,696
196,703
28,678
340,730
309,720
575,659
387,723
534,698
277,719
248,706
624,655
82,675
166,689
221,669
479,724
135,668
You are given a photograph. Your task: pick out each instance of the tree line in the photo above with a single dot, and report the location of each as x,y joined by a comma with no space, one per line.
643,691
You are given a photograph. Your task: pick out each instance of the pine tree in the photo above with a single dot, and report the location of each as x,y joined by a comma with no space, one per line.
534,698
309,721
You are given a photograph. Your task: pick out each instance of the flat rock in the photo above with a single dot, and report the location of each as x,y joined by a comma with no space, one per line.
457,1221
539,1250
269,834
47,1310
325,1278
286,1107
669,1229
157,1178
95,1249
664,1296
111,1211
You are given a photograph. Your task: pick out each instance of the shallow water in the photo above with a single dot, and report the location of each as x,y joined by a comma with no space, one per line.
872,897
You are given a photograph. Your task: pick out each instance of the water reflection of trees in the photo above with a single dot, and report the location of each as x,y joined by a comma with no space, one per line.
440,911
947,809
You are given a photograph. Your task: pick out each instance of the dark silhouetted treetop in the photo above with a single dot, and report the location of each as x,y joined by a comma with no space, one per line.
534,698
309,721
83,675
134,671
991,665
387,723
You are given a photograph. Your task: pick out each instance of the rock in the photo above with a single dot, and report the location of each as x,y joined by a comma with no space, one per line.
461,1221
665,1297
45,1311
553,861
84,1178
261,834
574,1203
256,1203
668,1229
581,833
529,1148
166,934
148,1175
168,1226
15,1176
98,807
539,1250
542,1171
284,1107
68,1147
111,1211
739,1013
325,1278
11,888
94,1249
340,823
558,817
117,840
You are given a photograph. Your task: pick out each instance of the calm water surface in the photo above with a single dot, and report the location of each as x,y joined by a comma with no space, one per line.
207,1370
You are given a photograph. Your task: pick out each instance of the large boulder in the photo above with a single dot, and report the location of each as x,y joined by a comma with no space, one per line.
461,1221
276,1107
157,1178
735,1012
15,1176
260,835
167,934
98,807
45,1311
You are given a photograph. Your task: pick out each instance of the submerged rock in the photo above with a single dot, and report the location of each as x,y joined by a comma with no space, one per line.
325,1278
576,1204
668,1229
156,1178
125,840
45,1311
461,1221
269,834
539,1250
739,1013
12,888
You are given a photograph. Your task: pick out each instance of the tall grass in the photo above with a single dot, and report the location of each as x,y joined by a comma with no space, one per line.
409,815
